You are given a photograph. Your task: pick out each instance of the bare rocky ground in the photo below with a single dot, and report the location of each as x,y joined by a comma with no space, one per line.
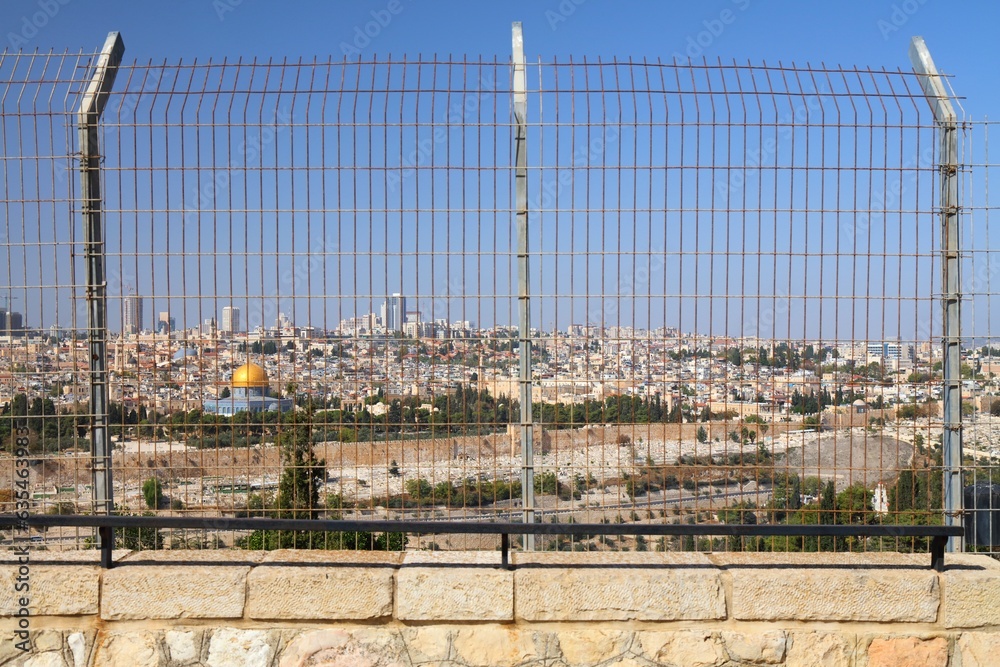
365,471
848,456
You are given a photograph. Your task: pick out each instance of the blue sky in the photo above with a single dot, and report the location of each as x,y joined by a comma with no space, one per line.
668,287
872,33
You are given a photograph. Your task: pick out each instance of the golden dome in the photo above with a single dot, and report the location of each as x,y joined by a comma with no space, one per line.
249,375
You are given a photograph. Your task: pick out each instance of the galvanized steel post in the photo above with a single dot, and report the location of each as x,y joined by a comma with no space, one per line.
88,117
524,307
948,207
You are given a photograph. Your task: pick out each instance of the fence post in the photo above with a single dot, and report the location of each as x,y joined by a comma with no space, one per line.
524,307
92,105
951,365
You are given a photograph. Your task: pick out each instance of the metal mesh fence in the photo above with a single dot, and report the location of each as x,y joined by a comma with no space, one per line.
980,408
734,286
43,355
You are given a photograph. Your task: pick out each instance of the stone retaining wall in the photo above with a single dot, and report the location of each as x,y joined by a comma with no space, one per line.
298,608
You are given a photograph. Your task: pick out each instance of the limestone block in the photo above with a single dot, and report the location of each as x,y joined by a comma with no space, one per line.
971,592
82,557
820,649
908,652
8,651
976,649
230,647
188,557
644,586
840,589
48,659
47,640
767,648
322,585
79,648
129,648
430,644
307,647
684,648
589,647
883,560
958,561
55,590
148,591
183,646
497,645
360,647
454,586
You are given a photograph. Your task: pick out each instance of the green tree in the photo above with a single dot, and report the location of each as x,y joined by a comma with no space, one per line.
138,539
828,503
854,505
152,492
903,496
303,473
419,489
298,498
786,495
742,512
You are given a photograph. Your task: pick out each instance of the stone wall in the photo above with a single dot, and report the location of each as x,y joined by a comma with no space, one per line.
299,608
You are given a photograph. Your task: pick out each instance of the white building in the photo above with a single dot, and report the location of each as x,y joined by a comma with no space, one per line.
132,314
231,323
393,312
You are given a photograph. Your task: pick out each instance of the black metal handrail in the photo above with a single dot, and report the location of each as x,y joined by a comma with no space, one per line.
106,526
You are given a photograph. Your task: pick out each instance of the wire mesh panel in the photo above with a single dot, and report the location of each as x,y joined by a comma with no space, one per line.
734,280
737,275
313,259
44,383
980,406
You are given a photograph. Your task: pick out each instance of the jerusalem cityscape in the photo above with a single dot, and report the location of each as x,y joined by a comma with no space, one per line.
548,333
619,412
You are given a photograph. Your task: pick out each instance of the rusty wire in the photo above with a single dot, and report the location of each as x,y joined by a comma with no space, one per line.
710,242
